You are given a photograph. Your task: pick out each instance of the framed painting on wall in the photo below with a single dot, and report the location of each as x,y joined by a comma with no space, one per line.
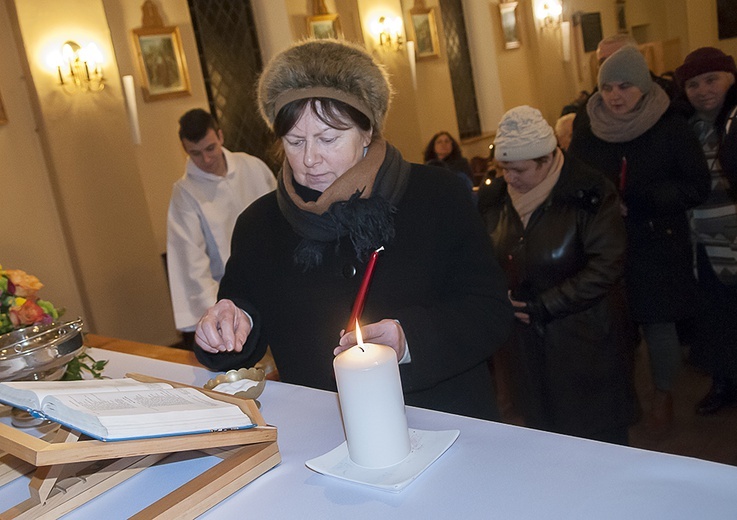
3,116
324,26
621,13
727,19
510,27
425,32
162,63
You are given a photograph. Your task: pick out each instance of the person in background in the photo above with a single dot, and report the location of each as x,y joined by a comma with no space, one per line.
707,79
648,151
558,233
575,105
216,187
564,130
443,150
612,44
437,296
606,48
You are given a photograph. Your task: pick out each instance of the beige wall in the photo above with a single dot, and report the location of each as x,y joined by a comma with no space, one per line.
90,166
33,235
85,208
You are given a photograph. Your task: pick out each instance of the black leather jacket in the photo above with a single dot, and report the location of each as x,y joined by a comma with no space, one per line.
571,363
571,254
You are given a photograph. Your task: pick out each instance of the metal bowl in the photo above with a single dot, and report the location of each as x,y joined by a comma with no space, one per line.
40,352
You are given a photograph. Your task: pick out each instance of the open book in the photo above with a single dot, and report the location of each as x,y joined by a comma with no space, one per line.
117,409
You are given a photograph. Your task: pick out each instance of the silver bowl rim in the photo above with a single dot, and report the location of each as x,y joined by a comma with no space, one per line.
19,348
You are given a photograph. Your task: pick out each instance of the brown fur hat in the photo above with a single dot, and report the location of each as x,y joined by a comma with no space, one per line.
325,68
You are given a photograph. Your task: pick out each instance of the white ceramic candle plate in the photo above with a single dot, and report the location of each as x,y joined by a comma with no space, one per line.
426,447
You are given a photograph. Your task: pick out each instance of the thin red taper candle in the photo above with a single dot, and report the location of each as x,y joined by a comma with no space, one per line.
363,291
623,175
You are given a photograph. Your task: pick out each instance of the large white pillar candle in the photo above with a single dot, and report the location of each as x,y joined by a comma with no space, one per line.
372,404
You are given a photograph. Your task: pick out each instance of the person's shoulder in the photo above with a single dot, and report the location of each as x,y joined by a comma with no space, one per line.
264,205
247,161
492,195
583,185
431,179
674,122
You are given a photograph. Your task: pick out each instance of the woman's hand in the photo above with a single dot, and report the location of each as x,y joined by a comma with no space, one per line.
385,332
223,328
521,316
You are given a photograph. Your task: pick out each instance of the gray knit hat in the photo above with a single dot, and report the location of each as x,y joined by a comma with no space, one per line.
523,134
326,68
627,65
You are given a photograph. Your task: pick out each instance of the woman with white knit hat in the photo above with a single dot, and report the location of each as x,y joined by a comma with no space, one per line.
558,233
298,254
650,153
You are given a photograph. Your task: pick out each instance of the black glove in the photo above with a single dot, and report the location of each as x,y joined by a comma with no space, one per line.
539,316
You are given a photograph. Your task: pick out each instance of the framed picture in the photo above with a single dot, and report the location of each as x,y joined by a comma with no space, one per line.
591,31
3,116
425,32
621,16
324,26
510,27
162,63
726,19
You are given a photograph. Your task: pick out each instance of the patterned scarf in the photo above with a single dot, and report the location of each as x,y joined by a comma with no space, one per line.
526,203
359,204
622,128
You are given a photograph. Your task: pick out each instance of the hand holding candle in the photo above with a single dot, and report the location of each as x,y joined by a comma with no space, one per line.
372,404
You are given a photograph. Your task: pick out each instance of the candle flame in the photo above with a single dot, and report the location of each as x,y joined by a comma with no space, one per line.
359,337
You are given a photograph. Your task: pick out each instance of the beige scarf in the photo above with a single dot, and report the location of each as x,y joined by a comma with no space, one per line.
623,128
526,203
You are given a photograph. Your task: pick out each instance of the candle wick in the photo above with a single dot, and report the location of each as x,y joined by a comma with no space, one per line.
359,346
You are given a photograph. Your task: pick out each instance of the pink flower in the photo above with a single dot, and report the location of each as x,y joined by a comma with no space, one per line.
27,314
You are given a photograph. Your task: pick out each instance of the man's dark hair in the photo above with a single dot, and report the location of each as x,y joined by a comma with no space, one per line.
194,125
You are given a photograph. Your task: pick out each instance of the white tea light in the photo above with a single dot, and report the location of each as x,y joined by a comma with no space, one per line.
372,404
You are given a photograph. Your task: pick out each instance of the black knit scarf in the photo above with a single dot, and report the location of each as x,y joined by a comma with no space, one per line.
366,197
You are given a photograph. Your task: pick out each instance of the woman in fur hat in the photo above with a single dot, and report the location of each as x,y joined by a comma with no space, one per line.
557,232
649,152
298,254
707,78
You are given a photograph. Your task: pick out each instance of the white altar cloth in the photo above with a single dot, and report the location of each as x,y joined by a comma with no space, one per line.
492,471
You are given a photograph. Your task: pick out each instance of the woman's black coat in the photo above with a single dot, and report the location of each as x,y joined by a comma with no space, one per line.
666,175
571,365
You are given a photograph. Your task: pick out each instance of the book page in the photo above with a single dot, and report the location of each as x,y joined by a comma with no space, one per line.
145,413
30,394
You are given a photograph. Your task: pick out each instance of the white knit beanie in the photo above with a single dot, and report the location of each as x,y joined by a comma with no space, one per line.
523,134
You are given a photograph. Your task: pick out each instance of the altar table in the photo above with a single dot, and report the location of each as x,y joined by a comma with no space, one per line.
492,471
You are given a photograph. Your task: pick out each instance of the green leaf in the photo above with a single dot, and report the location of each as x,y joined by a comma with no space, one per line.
81,364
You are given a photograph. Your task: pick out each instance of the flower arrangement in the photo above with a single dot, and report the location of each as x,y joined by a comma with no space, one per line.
19,304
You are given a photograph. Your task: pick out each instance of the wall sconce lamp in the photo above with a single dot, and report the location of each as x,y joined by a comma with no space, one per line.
389,32
551,14
79,68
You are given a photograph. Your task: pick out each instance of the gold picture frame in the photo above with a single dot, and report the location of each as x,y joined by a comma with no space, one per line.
162,63
3,115
424,32
509,19
324,26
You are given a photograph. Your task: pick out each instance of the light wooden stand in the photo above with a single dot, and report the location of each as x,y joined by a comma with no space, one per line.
71,470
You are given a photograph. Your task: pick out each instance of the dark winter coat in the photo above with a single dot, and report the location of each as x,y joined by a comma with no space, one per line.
570,365
437,277
666,175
